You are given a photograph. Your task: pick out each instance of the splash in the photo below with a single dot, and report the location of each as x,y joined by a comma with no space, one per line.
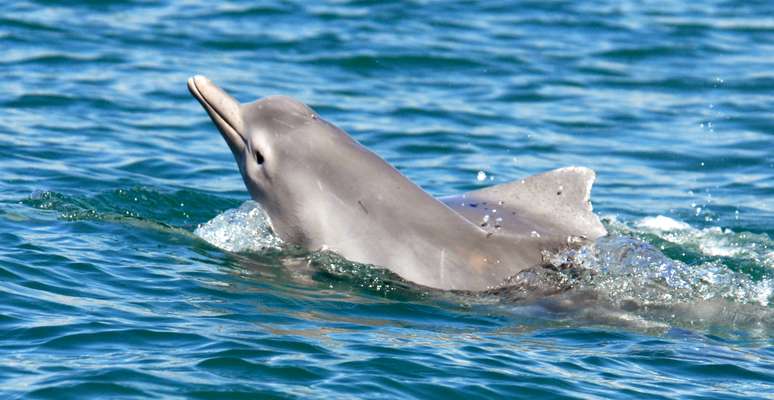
629,270
713,241
628,266
243,229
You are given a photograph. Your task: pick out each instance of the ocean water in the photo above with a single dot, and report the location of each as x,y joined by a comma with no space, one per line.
133,265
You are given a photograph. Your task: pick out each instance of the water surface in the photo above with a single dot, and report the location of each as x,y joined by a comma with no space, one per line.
131,266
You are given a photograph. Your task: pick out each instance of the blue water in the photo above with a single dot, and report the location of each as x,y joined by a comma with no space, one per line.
132,265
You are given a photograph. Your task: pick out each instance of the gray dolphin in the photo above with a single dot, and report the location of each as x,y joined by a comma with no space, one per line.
323,190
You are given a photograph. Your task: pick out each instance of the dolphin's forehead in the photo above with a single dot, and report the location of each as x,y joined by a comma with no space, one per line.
281,105
278,114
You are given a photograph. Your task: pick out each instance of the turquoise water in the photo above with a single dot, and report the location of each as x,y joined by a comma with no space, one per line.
132,265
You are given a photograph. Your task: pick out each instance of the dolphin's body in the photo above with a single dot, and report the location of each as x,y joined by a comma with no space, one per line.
323,190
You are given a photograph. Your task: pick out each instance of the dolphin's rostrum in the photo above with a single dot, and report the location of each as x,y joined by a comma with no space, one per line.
322,189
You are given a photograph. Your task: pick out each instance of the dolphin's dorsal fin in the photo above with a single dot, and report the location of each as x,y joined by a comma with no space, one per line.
554,205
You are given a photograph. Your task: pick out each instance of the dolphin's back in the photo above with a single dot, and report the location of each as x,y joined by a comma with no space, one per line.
554,206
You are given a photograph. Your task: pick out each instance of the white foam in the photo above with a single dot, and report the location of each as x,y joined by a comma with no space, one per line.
712,241
241,229
662,223
626,263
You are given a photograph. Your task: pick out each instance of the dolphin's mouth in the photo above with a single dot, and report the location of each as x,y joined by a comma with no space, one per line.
223,109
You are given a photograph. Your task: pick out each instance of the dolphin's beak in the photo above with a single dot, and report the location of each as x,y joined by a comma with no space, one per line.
223,109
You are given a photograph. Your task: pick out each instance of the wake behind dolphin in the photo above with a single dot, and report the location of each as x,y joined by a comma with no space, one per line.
323,190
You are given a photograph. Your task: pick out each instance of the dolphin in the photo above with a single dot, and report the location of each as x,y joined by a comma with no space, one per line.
322,190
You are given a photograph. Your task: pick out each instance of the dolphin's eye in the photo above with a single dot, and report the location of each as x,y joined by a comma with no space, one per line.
258,157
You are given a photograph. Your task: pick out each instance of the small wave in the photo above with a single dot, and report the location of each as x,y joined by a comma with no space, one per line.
23,24
64,59
641,53
163,210
713,241
46,100
371,63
